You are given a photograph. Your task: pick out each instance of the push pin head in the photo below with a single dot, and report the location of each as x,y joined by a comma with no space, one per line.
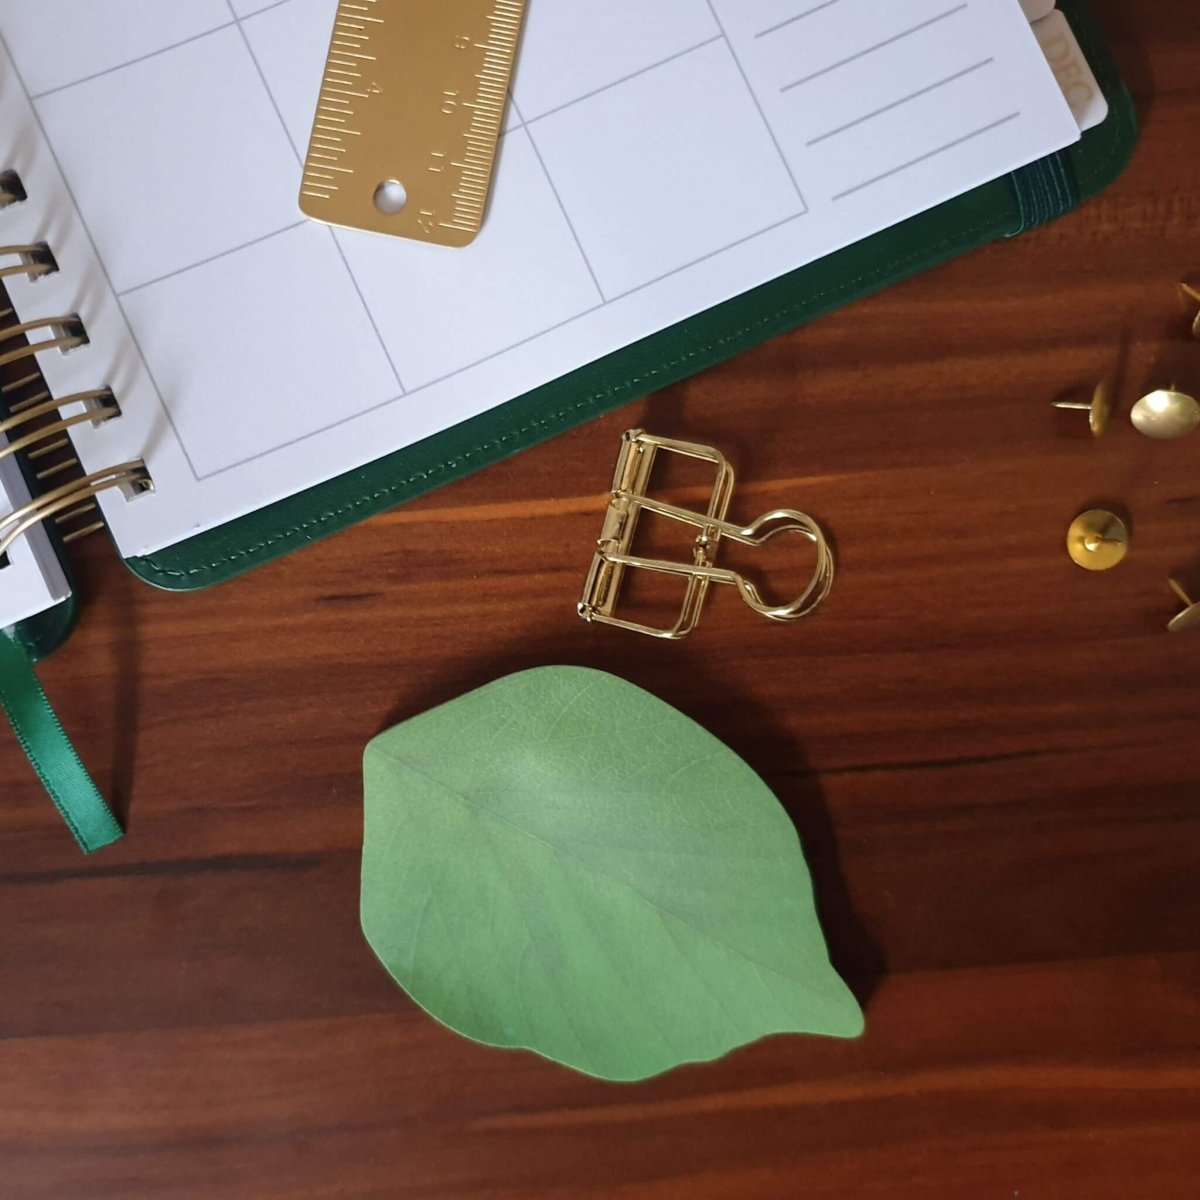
1098,540
1166,414
1099,409
1192,294
1190,617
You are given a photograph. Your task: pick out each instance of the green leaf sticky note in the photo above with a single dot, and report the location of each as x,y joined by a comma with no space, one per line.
562,862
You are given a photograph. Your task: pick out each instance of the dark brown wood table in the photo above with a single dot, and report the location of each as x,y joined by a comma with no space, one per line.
992,758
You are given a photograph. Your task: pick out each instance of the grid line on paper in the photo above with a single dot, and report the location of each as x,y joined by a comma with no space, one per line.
616,83
960,141
266,237
300,160
757,103
559,201
887,108
853,58
133,62
808,12
235,20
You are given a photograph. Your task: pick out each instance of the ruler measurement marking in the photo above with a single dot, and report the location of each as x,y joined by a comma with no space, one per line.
454,86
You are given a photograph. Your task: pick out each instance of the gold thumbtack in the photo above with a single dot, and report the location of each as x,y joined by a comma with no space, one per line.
1166,414
1192,294
1098,540
1190,617
1099,408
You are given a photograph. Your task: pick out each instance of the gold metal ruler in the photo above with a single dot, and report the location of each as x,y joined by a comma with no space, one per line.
410,113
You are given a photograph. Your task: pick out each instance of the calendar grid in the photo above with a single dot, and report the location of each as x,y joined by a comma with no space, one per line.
605,128
519,124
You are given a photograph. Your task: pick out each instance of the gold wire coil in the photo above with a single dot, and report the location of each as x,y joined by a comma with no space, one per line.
45,451
12,190
35,261
20,406
68,464
99,406
70,496
8,389
69,330
74,535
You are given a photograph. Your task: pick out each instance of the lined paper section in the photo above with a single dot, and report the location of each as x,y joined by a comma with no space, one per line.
658,159
866,93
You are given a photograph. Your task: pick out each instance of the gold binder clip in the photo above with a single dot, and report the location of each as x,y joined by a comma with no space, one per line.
32,261
629,500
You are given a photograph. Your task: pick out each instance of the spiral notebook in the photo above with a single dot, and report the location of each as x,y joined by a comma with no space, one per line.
677,181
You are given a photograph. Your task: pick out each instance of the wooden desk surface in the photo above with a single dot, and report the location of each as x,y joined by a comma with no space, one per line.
992,757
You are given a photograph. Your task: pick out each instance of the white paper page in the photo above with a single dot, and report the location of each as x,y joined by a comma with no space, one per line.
659,159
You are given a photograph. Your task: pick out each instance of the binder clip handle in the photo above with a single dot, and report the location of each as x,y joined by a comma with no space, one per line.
761,531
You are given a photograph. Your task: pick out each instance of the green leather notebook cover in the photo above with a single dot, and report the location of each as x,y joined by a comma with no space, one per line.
1003,208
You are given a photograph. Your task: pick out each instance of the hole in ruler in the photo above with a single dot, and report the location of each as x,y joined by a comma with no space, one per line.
390,197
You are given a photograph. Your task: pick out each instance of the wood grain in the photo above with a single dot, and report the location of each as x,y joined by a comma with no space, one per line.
993,760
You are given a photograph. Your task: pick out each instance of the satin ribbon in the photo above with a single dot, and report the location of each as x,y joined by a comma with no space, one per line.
48,748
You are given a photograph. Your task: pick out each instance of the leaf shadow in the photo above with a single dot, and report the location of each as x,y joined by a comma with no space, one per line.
679,676
756,733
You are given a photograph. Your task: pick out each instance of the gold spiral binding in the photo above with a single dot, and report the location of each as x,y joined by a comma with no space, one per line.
73,535
69,332
71,496
99,406
34,261
68,464
12,190
35,425
18,406
8,389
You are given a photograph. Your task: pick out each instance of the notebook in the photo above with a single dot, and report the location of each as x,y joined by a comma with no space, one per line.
676,181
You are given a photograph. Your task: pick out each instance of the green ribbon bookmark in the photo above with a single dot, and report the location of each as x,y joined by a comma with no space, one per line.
48,748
